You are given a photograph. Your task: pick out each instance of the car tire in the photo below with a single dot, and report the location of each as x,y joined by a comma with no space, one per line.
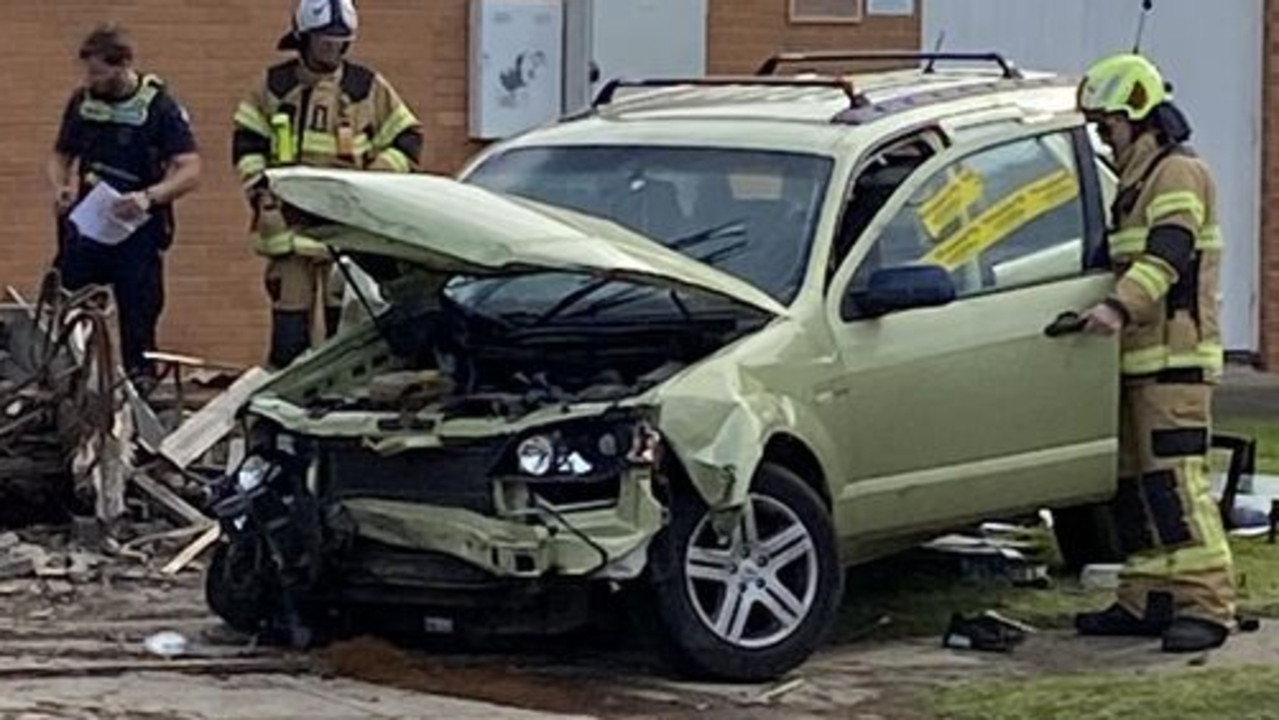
1086,535
234,591
731,611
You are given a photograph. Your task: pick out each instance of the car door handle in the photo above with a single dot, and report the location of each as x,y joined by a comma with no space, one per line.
1067,323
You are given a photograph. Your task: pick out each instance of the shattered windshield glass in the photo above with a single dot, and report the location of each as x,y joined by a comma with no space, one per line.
749,213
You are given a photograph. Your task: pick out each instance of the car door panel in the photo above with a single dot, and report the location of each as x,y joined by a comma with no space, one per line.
970,410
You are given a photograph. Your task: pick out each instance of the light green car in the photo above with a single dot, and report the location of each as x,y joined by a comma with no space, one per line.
712,342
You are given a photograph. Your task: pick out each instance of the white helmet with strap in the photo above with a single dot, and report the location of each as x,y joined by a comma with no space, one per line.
335,18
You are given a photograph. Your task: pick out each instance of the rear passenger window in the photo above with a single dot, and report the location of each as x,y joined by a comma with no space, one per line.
998,219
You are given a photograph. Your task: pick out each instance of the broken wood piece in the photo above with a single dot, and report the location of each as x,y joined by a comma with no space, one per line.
177,534
199,433
150,431
192,551
777,691
169,500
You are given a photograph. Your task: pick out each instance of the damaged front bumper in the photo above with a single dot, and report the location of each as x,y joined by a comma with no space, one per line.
545,542
320,503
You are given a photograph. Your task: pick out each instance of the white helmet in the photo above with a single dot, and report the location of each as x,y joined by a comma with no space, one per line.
336,18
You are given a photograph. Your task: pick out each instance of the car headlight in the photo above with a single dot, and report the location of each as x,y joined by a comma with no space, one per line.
536,455
253,472
585,448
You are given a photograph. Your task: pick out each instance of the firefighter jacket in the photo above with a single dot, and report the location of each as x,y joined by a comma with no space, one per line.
351,118
1165,246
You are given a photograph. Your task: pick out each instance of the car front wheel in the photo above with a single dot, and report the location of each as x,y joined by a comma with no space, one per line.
756,604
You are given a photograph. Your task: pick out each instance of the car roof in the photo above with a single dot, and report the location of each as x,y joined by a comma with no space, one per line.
806,112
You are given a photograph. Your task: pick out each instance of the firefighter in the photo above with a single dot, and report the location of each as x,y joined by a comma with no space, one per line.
125,129
1165,245
319,110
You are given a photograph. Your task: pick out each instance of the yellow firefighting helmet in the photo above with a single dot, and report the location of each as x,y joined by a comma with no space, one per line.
336,18
1125,83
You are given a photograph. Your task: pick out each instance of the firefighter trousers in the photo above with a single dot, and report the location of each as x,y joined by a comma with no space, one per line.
1169,524
296,284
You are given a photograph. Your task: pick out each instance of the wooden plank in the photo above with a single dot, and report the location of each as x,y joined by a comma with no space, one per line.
169,500
192,551
213,422
150,431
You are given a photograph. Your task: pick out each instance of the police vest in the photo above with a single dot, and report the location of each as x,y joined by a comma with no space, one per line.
118,143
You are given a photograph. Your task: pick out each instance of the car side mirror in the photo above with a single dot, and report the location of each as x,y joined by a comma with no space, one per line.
904,287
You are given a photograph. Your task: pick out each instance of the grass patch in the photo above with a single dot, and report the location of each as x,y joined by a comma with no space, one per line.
1235,693
1267,435
918,592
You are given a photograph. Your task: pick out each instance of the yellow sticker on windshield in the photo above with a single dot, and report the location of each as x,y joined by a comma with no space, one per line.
949,203
1005,218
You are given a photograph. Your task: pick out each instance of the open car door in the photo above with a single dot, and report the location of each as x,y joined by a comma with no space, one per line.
956,401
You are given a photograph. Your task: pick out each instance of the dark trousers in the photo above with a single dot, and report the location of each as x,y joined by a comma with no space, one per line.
134,270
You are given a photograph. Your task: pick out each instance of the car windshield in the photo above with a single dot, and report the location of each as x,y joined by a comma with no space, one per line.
750,213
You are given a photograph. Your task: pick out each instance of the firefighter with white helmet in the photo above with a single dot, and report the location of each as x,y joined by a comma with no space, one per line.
320,110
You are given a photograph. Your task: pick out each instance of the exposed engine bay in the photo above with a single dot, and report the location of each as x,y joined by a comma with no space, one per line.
450,362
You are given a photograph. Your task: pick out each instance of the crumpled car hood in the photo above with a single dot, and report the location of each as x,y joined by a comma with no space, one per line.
450,226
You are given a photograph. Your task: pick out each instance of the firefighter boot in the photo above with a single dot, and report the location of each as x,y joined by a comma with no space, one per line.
1188,635
1115,620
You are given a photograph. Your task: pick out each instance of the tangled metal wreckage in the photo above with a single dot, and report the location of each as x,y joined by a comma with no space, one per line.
81,445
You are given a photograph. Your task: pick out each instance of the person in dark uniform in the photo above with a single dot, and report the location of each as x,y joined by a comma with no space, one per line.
123,128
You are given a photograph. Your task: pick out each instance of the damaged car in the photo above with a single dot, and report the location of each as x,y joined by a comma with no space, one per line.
715,342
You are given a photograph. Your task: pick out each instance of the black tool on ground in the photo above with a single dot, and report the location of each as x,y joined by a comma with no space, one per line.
1243,465
982,632
1066,323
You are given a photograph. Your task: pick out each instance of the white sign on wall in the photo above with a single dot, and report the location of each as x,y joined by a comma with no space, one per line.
890,7
516,65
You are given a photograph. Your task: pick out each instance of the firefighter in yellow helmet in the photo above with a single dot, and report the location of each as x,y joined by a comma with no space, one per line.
1165,247
319,110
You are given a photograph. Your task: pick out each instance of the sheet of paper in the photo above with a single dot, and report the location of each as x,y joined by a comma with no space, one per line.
95,217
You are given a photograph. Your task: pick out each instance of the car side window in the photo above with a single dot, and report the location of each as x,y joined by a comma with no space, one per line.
997,219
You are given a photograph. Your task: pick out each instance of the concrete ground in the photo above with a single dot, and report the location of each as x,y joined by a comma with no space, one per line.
78,651
1247,394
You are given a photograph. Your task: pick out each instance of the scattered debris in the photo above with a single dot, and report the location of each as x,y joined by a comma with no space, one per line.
1000,552
213,422
1100,576
772,694
81,445
988,632
167,644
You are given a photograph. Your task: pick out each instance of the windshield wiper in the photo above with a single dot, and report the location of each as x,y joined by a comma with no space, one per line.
732,228
636,292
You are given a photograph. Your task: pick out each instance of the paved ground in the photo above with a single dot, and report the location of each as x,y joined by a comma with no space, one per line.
72,648
79,653
1247,393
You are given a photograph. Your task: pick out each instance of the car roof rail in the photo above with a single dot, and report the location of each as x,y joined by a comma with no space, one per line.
769,67
855,99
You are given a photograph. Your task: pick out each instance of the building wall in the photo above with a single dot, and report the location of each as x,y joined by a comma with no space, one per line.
743,33
1269,285
211,53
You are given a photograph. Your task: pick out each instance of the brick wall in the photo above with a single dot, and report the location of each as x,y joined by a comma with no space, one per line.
1269,290
743,33
211,53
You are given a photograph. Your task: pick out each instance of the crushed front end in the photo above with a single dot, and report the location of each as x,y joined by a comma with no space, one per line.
370,483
